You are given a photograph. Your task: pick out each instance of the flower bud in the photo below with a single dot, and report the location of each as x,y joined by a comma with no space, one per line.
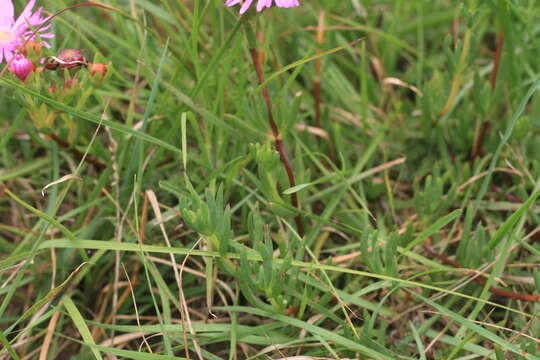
21,67
31,47
98,69
265,155
71,82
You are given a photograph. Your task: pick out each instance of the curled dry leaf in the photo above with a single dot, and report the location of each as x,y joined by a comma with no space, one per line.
398,82
61,180
312,130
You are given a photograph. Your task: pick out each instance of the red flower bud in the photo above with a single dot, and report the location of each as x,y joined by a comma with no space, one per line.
21,67
31,44
98,68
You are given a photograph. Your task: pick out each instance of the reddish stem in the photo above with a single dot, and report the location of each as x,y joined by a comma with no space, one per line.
477,147
497,60
317,98
280,146
481,281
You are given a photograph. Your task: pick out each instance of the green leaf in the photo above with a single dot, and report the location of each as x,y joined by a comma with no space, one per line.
80,324
536,276
8,346
439,224
511,221
418,340
129,354
296,188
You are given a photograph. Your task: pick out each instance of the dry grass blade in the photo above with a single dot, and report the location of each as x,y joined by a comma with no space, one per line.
136,308
157,211
44,351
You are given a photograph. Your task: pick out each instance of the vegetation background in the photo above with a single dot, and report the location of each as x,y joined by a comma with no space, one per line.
415,153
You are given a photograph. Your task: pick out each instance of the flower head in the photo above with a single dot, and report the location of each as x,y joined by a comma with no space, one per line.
21,67
261,4
32,47
13,33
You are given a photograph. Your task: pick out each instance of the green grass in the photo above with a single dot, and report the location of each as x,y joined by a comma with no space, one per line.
172,233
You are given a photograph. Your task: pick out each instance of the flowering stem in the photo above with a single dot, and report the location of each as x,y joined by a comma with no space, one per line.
280,146
497,60
477,146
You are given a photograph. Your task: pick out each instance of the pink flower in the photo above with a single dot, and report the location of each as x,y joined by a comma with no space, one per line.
21,67
261,4
13,33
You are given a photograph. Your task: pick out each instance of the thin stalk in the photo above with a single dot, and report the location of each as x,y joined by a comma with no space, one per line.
318,66
497,59
484,128
280,146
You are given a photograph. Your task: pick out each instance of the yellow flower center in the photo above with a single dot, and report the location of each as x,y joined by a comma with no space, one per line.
5,37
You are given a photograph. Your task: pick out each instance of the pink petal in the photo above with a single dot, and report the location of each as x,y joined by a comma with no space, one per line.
246,6
263,3
6,15
8,54
287,3
25,15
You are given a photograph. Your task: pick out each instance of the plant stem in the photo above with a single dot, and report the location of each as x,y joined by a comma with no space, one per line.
497,59
484,128
280,146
